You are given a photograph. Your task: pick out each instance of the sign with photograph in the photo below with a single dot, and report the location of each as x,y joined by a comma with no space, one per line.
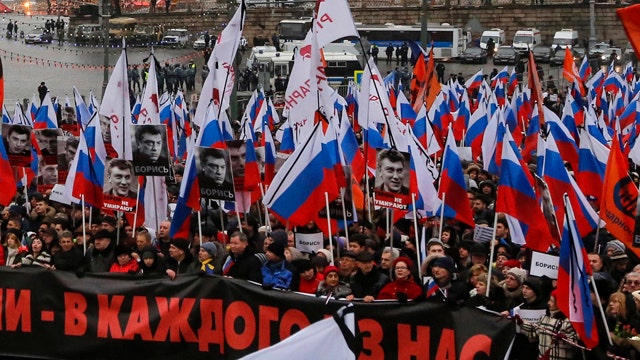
150,150
214,174
392,179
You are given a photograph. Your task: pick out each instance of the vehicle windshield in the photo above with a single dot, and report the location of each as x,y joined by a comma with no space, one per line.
485,39
562,41
523,39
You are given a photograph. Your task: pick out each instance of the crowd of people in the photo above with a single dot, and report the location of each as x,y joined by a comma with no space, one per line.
373,264
170,77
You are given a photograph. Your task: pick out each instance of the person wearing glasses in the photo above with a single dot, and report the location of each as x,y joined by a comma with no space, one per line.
403,287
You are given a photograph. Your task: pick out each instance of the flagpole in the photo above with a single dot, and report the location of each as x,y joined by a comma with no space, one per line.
84,226
388,225
604,318
221,221
326,201
118,215
444,195
200,228
492,247
415,230
344,214
155,204
135,214
332,260
267,221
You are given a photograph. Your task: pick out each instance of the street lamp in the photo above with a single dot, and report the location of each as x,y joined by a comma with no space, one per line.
592,23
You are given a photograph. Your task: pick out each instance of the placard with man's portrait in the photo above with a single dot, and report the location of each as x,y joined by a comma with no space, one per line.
47,140
214,174
17,143
150,150
120,190
47,176
392,179
67,149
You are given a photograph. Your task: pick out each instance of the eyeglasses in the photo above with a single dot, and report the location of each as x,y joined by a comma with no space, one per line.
633,282
402,268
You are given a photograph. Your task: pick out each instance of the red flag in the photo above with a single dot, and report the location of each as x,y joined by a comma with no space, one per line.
629,17
534,85
619,198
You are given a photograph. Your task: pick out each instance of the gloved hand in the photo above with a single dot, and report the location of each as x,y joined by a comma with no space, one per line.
267,286
518,319
402,297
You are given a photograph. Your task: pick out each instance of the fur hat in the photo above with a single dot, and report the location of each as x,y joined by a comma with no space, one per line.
277,248
479,249
519,274
210,248
325,252
182,244
364,256
103,234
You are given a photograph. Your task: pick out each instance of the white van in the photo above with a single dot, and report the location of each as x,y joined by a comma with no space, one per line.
526,39
496,34
176,38
565,38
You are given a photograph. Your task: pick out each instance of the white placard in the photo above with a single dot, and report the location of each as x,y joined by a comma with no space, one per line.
531,316
57,194
482,234
309,242
544,265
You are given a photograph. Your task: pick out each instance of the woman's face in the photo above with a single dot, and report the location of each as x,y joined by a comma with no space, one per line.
332,279
552,303
481,287
613,307
445,237
36,245
401,270
12,241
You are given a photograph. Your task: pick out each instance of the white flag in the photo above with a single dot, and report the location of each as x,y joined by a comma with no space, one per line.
334,21
116,108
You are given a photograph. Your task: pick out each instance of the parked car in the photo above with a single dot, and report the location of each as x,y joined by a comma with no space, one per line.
506,55
39,36
175,38
608,55
597,49
542,54
474,55
199,44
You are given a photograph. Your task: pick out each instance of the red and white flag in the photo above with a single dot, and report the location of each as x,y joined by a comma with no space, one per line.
116,107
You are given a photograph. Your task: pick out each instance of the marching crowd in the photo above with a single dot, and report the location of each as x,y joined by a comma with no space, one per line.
371,265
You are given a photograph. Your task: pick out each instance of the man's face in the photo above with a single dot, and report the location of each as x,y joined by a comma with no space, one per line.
163,230
478,205
66,243
41,207
151,146
365,267
50,174
355,247
70,154
70,116
596,262
347,265
175,252
102,243
141,242
632,283
435,249
106,129
511,282
392,175
237,246
238,158
120,180
385,261
49,143
215,168
17,142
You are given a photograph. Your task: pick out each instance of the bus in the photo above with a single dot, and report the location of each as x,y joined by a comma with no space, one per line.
448,41
294,30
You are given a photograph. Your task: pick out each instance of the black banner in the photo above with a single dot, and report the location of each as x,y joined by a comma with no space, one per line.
56,315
